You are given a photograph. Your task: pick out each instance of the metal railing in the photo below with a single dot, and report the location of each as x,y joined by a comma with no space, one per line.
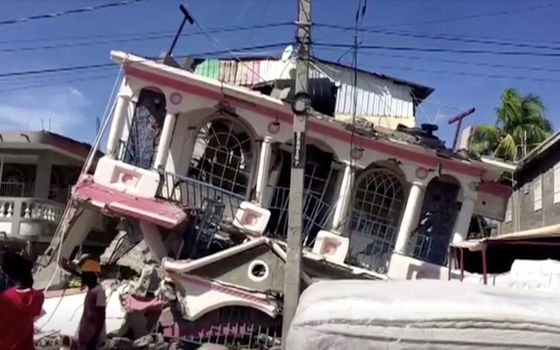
235,328
12,189
422,247
372,241
192,193
317,215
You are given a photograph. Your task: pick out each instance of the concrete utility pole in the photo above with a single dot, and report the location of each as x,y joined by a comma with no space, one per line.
295,217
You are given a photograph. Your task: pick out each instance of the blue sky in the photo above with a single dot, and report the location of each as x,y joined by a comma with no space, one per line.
71,102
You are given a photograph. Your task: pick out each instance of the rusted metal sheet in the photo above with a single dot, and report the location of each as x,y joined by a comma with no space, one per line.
375,96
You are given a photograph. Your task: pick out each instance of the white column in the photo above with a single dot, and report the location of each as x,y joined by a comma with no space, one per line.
463,221
165,141
343,201
43,176
119,118
264,168
410,217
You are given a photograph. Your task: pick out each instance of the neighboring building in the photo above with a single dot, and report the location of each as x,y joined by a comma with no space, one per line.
535,201
382,100
37,171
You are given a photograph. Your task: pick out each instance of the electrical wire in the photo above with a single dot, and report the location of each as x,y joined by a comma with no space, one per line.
470,74
70,12
55,70
139,38
446,37
100,66
473,16
55,83
453,61
442,50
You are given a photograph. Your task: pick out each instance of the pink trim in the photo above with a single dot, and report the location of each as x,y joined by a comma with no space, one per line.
141,304
315,126
160,213
220,288
495,189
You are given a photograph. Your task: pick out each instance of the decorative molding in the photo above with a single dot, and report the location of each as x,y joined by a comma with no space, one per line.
421,173
175,98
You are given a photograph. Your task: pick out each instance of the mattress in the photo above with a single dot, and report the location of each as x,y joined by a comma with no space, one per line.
423,314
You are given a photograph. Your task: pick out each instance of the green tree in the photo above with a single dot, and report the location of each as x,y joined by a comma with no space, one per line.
518,117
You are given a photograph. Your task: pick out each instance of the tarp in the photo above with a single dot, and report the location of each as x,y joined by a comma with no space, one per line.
423,314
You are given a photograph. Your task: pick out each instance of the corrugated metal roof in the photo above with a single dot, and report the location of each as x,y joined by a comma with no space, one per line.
377,95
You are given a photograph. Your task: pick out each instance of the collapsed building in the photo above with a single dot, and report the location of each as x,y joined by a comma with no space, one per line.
194,186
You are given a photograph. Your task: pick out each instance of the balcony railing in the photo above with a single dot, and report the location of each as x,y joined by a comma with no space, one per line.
12,189
192,193
317,215
422,247
16,213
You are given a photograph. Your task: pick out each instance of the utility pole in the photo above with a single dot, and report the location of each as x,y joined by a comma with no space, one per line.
459,120
300,107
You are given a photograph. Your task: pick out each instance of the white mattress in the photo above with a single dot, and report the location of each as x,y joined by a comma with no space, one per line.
423,314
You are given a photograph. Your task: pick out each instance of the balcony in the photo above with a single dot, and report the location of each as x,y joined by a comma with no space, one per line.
14,189
29,217
317,214
191,193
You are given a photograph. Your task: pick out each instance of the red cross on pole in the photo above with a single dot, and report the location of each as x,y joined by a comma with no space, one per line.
459,119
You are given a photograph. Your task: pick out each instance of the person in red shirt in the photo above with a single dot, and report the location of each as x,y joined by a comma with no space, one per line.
19,305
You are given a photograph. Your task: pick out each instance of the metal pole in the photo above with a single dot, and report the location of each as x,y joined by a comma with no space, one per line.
459,120
295,221
186,17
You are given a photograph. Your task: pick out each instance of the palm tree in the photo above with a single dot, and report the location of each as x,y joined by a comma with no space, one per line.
520,120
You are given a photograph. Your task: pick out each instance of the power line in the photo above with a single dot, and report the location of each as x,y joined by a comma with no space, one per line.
110,65
70,12
143,37
444,50
453,61
472,16
477,75
55,83
445,37
55,70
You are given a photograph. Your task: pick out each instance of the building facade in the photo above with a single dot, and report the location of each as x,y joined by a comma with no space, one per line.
380,99
535,201
37,172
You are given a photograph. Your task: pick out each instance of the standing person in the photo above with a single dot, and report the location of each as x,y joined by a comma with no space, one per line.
91,332
19,305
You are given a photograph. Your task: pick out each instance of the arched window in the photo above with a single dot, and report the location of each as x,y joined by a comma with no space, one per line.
376,212
224,156
145,129
13,182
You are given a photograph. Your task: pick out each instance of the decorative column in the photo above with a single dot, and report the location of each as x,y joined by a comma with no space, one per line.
463,221
410,217
165,141
263,170
119,118
43,176
343,201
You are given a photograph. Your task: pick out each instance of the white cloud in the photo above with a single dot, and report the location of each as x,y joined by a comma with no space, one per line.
65,107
